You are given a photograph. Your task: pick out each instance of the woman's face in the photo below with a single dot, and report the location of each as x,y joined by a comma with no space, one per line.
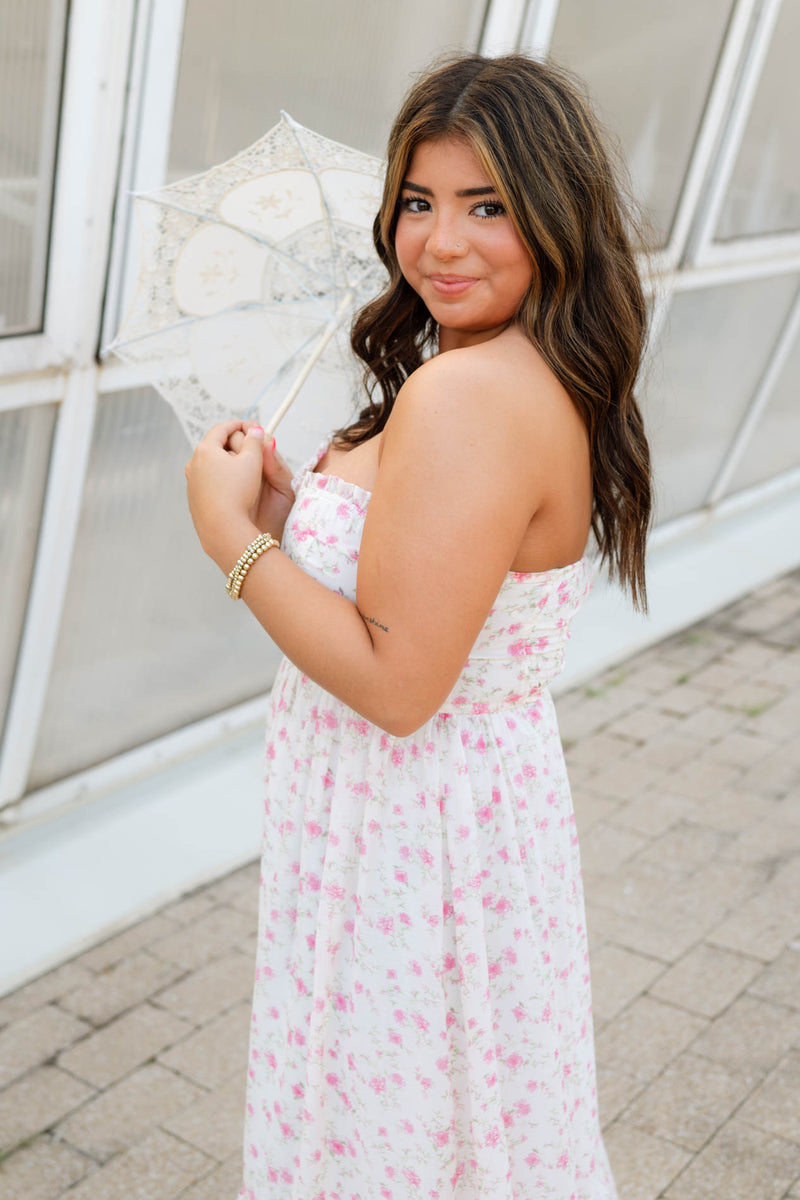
457,246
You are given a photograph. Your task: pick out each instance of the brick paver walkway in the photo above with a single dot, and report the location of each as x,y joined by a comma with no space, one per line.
122,1072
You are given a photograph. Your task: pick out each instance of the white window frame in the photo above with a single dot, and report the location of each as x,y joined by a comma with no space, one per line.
42,184
702,247
691,258
155,61
97,49
95,81
718,275
713,156
758,403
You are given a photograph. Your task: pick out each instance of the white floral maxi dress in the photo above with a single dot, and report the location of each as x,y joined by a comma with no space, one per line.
422,1017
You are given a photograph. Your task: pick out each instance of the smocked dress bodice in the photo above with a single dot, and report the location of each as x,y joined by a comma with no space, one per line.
522,645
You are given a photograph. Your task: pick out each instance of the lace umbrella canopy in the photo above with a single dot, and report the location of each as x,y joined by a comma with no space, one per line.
249,275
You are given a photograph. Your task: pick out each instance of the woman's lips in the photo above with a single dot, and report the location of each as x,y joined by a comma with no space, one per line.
451,285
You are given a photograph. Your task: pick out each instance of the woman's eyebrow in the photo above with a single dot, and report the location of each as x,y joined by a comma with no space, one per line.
476,191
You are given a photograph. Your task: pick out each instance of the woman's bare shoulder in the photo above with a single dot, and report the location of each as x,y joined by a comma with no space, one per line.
505,380
499,413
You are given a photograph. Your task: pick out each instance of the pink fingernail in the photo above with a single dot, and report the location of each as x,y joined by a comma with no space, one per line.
273,443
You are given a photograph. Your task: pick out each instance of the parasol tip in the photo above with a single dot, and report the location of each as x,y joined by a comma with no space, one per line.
289,120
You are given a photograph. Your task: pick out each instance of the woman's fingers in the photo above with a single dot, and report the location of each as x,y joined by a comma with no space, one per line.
218,435
214,440
236,439
230,435
275,469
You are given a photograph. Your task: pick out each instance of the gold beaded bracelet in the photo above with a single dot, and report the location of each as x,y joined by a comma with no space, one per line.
264,541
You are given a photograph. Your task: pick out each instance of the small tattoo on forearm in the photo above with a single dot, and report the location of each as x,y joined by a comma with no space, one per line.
372,621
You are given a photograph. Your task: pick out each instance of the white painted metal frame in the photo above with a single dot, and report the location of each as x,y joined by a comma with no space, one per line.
701,248
96,82
96,75
713,274
537,29
137,764
518,25
712,127
707,517
155,61
96,65
536,36
29,390
49,583
48,145
690,245
29,352
761,397
502,26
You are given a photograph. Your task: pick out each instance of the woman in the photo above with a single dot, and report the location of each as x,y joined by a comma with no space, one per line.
421,1020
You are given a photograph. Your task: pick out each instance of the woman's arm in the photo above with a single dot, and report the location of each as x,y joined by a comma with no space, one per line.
454,494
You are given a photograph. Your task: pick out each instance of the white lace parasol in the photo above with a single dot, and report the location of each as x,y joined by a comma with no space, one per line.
249,275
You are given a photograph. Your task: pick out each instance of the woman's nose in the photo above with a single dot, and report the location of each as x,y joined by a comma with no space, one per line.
445,241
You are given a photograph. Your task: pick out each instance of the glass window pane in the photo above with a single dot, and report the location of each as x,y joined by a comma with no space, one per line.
337,66
713,352
764,192
25,439
32,36
775,444
149,640
649,66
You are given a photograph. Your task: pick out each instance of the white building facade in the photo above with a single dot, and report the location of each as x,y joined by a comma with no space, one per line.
132,693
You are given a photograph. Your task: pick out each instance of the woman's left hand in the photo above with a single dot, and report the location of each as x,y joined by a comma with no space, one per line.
223,485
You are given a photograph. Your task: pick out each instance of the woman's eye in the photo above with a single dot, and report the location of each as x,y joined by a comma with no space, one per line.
414,204
488,208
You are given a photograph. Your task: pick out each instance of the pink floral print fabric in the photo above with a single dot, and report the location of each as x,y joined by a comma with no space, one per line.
422,1016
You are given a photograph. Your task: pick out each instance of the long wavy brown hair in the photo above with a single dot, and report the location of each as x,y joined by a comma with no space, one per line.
532,127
